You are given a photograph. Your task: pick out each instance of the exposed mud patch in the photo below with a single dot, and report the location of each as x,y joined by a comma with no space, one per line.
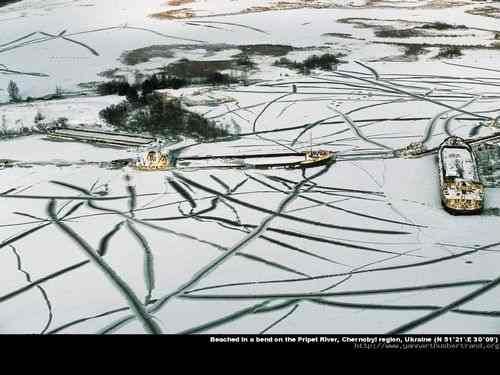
486,11
145,54
175,14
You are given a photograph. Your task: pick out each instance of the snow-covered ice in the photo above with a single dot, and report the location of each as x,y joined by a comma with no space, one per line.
312,251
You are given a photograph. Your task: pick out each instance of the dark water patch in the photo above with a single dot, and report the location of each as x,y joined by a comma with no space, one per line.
397,33
169,51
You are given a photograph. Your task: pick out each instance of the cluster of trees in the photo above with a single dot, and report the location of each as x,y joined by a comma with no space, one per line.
146,111
202,72
217,78
13,91
245,61
413,50
443,26
123,88
137,93
324,62
397,33
169,119
116,114
160,117
449,52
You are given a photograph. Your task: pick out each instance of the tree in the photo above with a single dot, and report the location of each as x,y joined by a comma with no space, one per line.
115,114
147,87
39,117
59,92
132,95
113,87
13,91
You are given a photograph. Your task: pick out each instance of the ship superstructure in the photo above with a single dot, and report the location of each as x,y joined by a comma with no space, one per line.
461,189
153,161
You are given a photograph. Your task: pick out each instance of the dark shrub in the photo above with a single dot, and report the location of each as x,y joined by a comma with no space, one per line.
132,95
115,114
162,118
324,62
113,87
217,78
449,52
394,33
443,26
245,61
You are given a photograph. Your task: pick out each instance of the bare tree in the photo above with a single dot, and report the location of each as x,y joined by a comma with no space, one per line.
59,92
13,91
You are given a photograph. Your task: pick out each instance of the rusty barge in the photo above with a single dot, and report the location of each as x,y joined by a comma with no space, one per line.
461,190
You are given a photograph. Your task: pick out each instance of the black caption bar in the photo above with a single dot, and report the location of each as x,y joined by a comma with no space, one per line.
370,342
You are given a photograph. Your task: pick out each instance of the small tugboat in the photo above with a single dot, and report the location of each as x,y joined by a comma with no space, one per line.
153,161
411,151
315,159
461,189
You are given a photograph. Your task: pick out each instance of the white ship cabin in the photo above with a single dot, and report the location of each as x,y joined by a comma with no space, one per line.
316,154
153,160
459,164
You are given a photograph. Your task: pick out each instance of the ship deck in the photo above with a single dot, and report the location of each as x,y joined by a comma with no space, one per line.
122,139
459,163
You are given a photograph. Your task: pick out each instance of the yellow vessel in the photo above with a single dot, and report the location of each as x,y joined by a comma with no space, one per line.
316,158
153,161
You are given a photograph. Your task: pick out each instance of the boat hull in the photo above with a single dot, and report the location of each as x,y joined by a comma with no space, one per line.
461,212
151,169
312,163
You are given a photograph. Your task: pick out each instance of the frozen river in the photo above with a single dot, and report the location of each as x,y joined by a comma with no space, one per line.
361,246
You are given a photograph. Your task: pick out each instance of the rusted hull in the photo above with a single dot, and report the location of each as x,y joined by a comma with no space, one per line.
462,212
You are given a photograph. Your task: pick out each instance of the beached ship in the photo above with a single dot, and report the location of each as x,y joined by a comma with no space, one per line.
461,189
311,159
413,150
315,159
153,161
